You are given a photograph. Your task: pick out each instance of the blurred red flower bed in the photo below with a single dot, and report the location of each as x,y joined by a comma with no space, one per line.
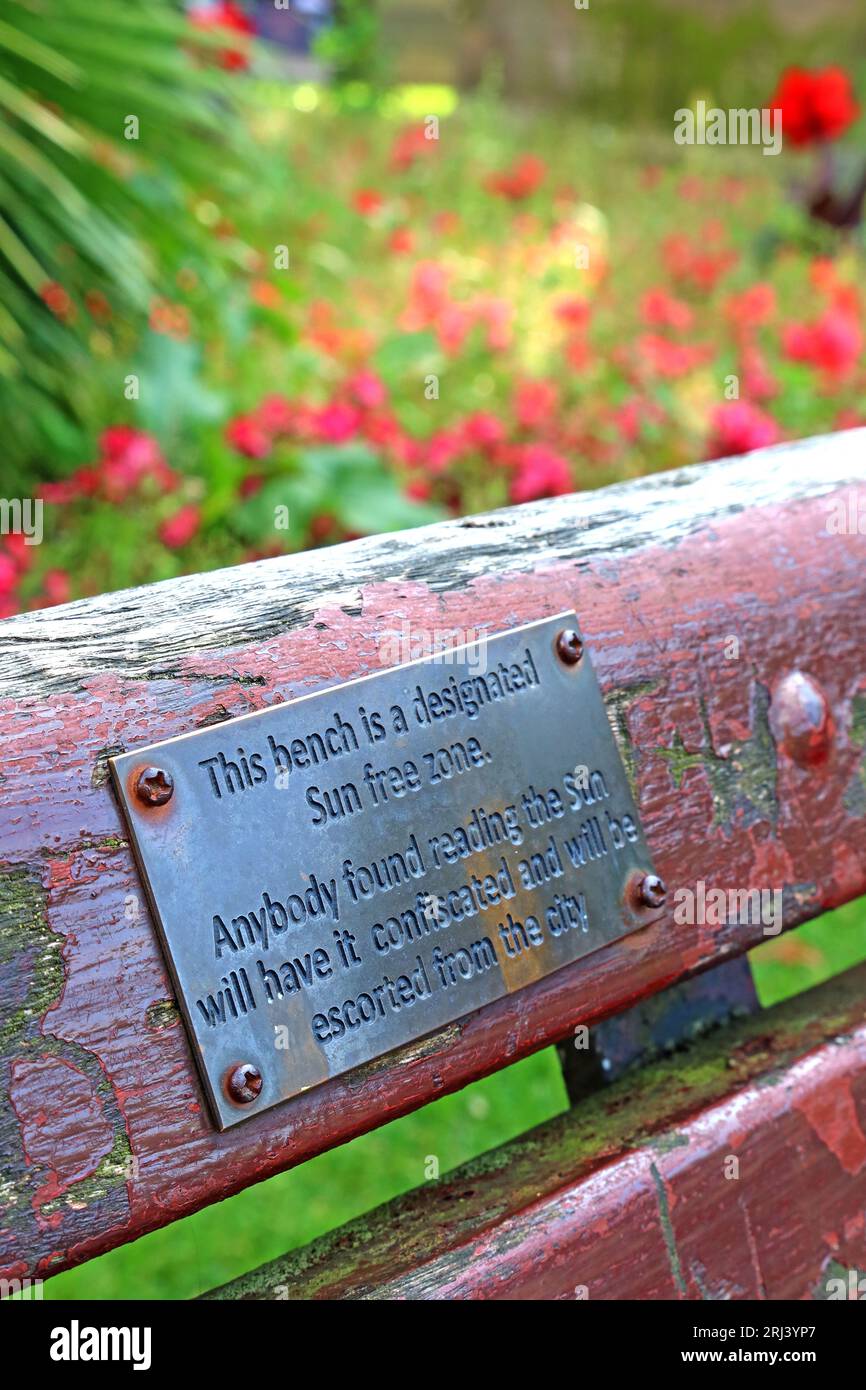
432,318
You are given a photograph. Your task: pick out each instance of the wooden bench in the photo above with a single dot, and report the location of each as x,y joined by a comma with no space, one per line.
723,607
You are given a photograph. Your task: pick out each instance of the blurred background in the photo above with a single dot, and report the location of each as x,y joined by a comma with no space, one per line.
275,275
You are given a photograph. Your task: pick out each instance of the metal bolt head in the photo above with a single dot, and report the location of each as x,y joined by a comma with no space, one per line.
801,719
154,786
651,891
569,646
243,1083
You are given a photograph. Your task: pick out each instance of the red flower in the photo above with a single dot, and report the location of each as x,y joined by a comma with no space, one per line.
496,314
367,201
251,484
368,390
759,384
446,222
737,427
55,588
520,181
843,295
573,311
8,574
453,324
534,403
691,189
58,301
849,419
578,353
442,448
337,422
226,15
179,529
321,527
401,241
18,551
814,105
267,295
692,264
128,457
171,319
483,431
755,305
429,287
630,417
419,489
383,428
97,305
247,434
672,360
832,344
661,310
412,143
276,415
540,473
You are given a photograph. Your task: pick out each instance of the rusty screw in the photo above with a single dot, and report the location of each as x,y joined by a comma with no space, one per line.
651,891
154,786
569,646
243,1083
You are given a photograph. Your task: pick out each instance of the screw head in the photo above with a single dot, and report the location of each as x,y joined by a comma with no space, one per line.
243,1083
652,891
569,646
154,786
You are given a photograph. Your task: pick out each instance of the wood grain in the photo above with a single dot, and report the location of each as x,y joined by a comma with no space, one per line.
103,1130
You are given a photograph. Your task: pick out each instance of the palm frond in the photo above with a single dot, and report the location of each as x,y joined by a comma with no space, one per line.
85,211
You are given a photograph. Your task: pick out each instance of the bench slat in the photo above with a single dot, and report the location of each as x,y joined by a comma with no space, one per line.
632,1195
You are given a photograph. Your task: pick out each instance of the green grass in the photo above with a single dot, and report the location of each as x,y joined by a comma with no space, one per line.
788,964
205,1250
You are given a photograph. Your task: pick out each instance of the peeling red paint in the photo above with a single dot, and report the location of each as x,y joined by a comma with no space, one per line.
66,1143
713,802
833,1116
643,1215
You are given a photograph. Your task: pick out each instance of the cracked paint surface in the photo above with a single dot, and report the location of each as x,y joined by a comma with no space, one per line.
630,1195
82,978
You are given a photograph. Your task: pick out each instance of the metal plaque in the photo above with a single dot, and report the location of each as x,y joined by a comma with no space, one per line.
338,875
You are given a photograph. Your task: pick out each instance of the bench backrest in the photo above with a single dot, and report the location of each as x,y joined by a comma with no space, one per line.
723,607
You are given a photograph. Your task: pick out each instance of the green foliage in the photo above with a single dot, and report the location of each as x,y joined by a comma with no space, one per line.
344,482
351,46
172,394
92,223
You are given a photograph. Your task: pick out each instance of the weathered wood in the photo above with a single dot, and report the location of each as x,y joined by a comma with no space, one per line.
733,1170
156,631
103,1132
